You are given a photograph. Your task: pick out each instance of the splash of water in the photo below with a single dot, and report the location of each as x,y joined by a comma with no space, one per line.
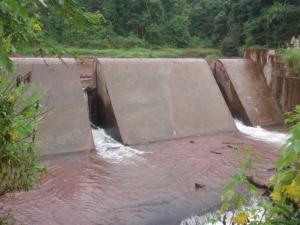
260,134
112,150
256,214
200,220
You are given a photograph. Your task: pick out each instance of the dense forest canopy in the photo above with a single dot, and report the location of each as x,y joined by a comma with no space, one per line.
228,24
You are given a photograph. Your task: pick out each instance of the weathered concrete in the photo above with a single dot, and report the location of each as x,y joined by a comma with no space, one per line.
246,92
106,117
66,127
287,91
160,99
281,78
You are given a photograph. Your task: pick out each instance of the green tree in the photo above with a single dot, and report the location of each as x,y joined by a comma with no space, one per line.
20,111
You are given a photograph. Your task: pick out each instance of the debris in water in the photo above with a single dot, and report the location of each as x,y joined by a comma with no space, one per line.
217,153
231,146
197,186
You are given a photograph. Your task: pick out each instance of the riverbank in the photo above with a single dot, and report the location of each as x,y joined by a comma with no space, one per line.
208,53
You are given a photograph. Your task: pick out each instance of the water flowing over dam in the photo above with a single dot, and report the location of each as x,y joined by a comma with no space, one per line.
167,126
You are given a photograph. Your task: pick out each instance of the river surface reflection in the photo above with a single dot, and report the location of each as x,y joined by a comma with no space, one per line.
155,188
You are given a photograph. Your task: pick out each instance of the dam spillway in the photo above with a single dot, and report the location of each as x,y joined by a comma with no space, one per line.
161,99
148,100
65,127
246,92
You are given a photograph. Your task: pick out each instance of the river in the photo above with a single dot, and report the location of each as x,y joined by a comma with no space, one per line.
151,184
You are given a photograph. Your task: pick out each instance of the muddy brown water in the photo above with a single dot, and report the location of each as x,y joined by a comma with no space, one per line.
157,188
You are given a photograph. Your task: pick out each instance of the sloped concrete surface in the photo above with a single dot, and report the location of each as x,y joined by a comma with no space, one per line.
247,92
280,76
65,127
161,99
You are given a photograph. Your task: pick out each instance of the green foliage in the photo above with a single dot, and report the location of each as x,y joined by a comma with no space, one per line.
23,24
282,206
145,53
177,33
198,42
151,23
188,23
292,56
128,42
6,217
275,26
19,118
203,13
21,28
16,29
229,47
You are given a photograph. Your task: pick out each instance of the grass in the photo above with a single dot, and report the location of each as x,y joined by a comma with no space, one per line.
292,56
6,217
141,52
147,53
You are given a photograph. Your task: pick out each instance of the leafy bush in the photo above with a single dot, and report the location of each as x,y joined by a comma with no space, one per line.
292,56
177,33
212,57
19,118
6,217
198,52
197,42
130,41
282,204
229,47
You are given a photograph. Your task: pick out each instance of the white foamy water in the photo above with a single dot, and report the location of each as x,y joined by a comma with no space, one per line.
201,220
112,150
258,133
216,218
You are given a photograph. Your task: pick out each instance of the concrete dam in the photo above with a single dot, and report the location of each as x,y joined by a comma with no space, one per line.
161,99
149,100
132,150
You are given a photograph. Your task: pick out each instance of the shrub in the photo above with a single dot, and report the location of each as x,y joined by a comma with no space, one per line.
198,42
6,217
198,52
229,47
130,41
19,118
292,56
282,204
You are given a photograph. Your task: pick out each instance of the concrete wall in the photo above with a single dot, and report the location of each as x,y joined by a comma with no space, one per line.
159,99
281,78
66,126
246,92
